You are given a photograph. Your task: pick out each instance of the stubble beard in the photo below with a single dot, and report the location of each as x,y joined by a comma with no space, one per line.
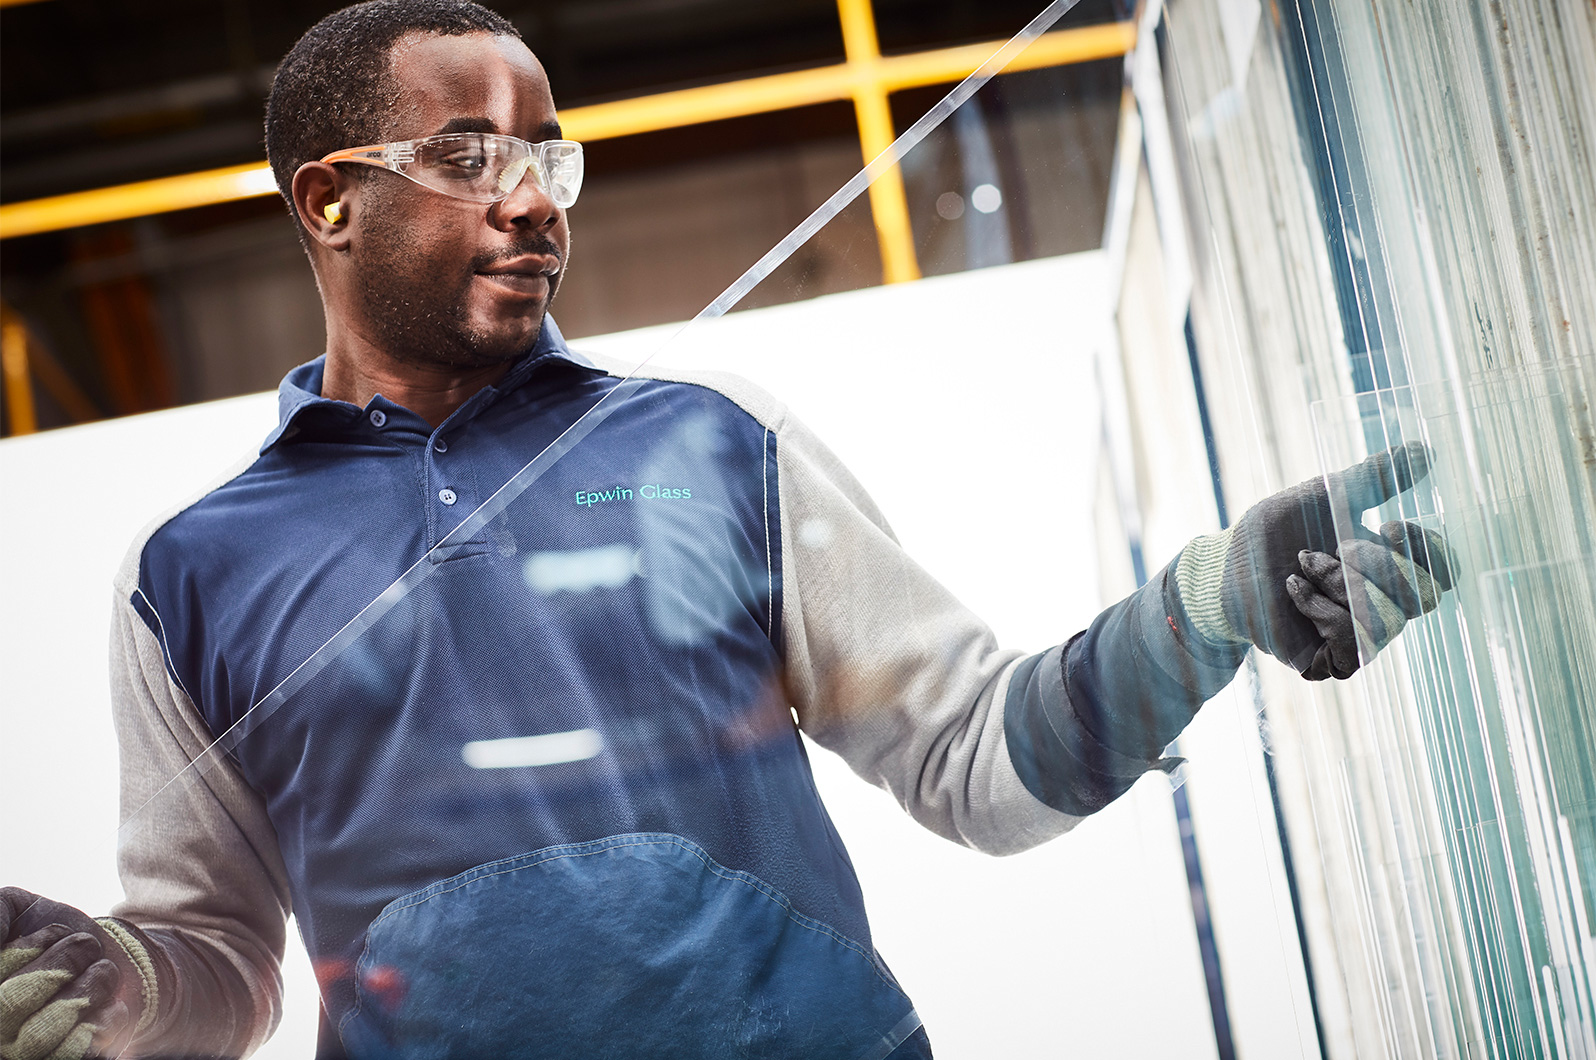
419,325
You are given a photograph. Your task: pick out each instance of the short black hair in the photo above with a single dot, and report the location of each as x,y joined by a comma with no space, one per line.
334,88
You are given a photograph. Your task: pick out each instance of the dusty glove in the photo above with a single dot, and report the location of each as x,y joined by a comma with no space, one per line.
1236,586
70,985
1368,591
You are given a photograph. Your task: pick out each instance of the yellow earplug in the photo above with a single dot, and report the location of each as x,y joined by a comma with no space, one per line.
334,212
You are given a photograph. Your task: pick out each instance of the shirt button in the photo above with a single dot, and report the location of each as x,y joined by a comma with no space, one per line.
378,417
447,496
441,446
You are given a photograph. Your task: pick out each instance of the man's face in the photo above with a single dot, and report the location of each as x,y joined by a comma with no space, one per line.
441,281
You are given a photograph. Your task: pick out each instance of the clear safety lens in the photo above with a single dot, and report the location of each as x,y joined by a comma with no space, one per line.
485,167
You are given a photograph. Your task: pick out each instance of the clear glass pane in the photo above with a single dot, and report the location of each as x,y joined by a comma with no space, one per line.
1490,689
668,576
1390,231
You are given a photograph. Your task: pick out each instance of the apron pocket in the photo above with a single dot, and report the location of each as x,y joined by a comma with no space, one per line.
630,946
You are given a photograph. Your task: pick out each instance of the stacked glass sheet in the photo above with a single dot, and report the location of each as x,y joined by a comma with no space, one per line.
1394,216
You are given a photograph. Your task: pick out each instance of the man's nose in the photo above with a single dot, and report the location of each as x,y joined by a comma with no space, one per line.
527,205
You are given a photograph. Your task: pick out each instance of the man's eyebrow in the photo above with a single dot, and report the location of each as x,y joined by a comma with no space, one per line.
549,130
462,125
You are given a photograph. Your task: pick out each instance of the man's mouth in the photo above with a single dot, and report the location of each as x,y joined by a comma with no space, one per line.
530,275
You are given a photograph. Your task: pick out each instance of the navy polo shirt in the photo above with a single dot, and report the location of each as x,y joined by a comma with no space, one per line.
599,660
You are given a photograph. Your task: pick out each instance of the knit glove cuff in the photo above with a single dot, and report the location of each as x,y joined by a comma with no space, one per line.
138,955
1199,574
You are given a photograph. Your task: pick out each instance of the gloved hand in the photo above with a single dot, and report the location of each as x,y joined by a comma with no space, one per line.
70,985
1393,576
1275,578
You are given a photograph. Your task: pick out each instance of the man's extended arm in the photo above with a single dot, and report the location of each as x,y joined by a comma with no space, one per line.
1096,712
1001,752
885,667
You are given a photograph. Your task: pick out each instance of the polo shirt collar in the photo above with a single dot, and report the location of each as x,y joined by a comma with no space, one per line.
300,389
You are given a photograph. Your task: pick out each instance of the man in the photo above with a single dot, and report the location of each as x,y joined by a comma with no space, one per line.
516,741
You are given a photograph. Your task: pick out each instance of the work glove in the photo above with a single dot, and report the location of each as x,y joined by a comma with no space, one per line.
1279,578
1368,590
71,986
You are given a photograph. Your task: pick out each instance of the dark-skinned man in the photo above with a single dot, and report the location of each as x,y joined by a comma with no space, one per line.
668,593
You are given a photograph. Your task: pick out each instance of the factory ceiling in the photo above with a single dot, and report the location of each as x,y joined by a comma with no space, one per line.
95,93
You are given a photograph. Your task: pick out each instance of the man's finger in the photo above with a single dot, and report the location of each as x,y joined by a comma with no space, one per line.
14,902
20,952
1406,583
98,985
63,1025
1324,571
110,1025
43,1003
92,1000
63,950
1307,601
1378,478
1338,656
1425,547
54,1032
1319,669
1386,590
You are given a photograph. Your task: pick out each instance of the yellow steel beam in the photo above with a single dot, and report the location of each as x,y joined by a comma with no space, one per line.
690,106
1061,47
14,369
889,203
136,200
600,121
828,84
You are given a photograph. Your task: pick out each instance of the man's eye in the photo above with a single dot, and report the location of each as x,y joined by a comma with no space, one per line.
463,162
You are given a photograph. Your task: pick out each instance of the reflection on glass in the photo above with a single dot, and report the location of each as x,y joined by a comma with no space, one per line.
1019,172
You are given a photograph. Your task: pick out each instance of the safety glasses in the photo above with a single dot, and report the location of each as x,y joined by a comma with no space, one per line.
478,167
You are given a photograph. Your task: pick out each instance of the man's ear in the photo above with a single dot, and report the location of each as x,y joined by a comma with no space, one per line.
324,198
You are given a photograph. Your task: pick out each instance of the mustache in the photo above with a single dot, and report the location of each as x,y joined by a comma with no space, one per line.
537,245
